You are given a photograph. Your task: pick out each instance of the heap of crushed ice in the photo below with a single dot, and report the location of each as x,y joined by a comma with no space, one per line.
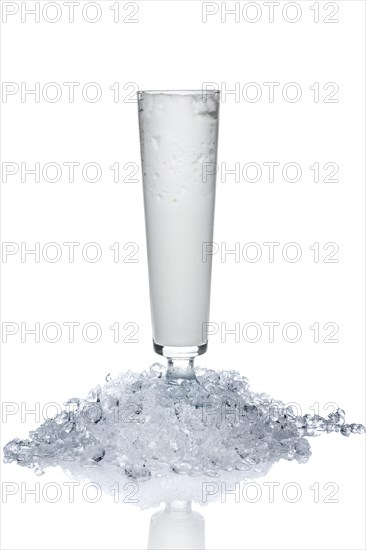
141,425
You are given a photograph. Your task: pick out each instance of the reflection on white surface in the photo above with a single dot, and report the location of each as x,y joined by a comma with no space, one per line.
177,527
165,487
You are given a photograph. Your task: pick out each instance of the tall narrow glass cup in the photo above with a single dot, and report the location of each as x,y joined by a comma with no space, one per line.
178,139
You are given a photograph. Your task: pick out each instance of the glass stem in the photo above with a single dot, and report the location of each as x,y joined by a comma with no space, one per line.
179,508
180,369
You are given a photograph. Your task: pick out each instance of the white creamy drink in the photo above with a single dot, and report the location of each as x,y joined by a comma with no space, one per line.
178,134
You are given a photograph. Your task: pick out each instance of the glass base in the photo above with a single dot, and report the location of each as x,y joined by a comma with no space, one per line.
180,361
178,526
180,351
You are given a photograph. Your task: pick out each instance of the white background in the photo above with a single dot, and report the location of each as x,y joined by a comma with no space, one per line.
170,47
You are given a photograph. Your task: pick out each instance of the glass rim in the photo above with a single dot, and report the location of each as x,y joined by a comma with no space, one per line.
179,92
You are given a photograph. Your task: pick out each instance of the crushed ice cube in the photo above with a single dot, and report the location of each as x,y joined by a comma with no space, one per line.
143,425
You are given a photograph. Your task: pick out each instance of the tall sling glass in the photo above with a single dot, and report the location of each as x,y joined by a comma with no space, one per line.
178,139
